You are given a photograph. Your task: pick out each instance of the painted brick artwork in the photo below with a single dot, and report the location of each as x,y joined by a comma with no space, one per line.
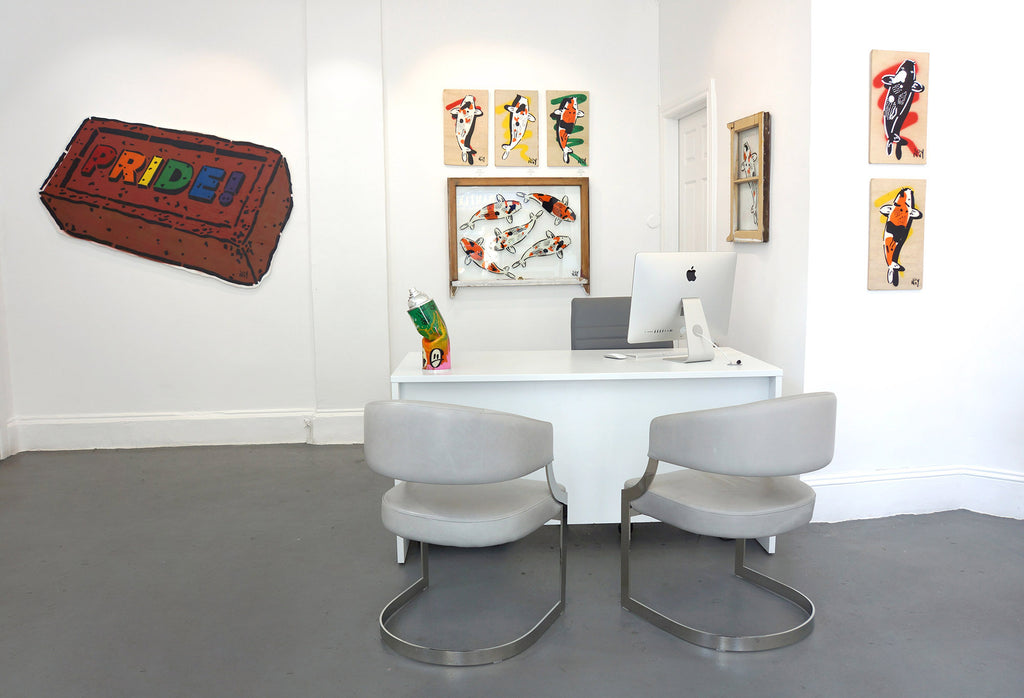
186,199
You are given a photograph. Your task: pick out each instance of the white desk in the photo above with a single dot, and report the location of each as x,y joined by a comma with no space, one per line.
601,408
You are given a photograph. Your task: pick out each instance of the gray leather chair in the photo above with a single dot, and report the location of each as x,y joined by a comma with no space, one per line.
603,323
739,483
461,471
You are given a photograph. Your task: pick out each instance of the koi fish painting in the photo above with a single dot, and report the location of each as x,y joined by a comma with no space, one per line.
568,145
466,126
550,245
474,250
898,107
516,140
559,208
896,234
501,208
510,237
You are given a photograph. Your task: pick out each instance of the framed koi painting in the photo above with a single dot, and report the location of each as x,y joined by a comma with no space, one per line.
465,127
899,107
749,176
568,123
515,128
896,235
529,231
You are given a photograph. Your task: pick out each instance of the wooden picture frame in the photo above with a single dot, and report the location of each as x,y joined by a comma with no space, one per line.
749,174
518,231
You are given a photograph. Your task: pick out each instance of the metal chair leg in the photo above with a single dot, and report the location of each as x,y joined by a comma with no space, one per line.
470,657
721,643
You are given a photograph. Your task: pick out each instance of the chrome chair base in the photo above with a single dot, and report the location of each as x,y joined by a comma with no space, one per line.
470,657
724,643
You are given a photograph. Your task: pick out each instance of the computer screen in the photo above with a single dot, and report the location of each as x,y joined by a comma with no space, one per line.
663,282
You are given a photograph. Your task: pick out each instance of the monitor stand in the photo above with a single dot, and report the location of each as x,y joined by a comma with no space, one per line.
698,344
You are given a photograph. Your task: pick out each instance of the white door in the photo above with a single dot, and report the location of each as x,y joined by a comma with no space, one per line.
693,182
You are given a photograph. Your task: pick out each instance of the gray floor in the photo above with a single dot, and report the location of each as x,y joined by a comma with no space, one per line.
259,571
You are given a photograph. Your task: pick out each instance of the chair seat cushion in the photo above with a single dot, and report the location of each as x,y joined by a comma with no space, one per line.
727,506
469,516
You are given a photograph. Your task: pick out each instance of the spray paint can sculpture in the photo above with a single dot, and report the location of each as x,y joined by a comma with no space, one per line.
429,323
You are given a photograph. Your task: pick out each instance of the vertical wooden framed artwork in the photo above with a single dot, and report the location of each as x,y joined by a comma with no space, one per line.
568,142
899,107
508,231
516,126
896,234
465,127
749,174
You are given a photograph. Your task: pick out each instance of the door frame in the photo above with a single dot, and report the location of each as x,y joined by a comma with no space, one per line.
670,117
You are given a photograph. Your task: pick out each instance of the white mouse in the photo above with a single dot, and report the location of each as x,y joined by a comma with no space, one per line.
615,356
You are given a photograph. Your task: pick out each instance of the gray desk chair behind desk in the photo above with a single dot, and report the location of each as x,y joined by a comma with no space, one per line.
602,323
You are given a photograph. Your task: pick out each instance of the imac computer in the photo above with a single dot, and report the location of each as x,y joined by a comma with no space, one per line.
682,296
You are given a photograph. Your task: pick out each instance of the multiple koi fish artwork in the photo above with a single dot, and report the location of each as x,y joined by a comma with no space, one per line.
502,249
517,123
897,135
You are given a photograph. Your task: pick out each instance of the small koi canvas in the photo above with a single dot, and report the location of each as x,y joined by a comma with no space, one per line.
899,107
516,126
568,124
518,231
465,127
896,235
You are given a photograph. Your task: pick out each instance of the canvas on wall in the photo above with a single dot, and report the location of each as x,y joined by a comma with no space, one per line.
568,142
899,107
465,127
515,128
896,234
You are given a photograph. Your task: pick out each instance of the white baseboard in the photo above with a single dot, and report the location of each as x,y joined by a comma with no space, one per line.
919,491
66,433
337,427
842,497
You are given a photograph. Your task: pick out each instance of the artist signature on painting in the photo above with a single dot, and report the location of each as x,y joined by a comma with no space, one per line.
919,154
915,282
531,161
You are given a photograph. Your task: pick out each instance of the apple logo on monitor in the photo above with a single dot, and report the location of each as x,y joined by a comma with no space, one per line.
691,274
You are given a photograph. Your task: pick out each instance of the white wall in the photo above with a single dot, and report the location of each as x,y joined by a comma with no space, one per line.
930,382
931,376
608,48
758,56
5,363
104,345
921,427
108,350
348,232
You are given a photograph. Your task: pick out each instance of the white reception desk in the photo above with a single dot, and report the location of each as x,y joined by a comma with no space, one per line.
601,408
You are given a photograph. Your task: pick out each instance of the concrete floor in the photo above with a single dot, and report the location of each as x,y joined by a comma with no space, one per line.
260,570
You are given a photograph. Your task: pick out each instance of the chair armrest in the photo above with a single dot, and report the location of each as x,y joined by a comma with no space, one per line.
557,490
631,493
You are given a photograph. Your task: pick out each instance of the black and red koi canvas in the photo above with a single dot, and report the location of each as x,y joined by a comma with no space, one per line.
899,107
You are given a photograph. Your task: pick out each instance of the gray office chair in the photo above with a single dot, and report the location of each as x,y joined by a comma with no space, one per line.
602,323
462,485
739,483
